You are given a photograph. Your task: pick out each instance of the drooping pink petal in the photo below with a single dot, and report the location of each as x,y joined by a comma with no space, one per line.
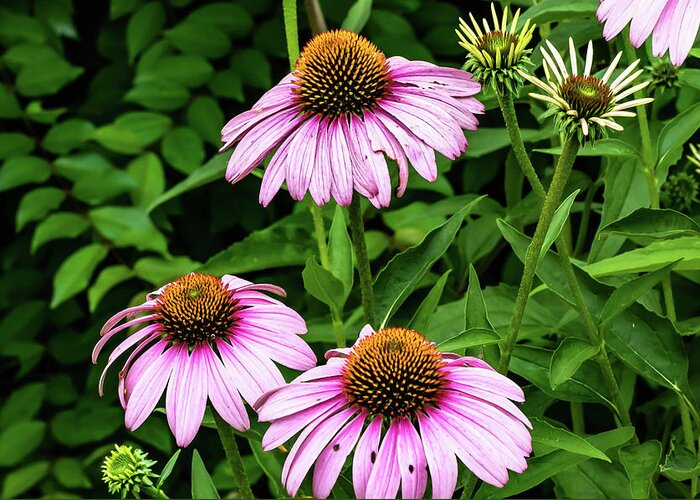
686,23
121,390
130,341
648,12
221,387
369,163
385,478
148,388
294,398
486,380
105,338
288,350
322,175
330,462
301,161
366,456
186,397
307,449
342,182
284,428
383,140
259,142
442,462
362,178
330,369
412,461
126,313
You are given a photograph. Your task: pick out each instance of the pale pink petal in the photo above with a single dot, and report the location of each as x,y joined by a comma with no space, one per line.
487,380
308,447
101,343
330,462
322,176
148,388
385,478
440,457
126,313
366,456
127,366
686,23
647,15
369,161
301,159
342,183
223,393
383,140
412,461
284,428
186,397
294,398
363,180
287,349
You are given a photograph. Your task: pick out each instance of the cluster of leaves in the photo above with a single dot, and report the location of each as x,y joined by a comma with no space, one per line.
111,186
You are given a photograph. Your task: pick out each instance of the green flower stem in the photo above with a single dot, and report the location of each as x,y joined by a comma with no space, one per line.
228,440
578,421
551,202
511,120
357,231
505,101
156,493
315,15
291,31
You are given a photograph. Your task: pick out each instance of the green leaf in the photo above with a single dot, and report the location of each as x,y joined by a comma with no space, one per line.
57,226
36,204
689,77
680,464
108,278
628,293
9,105
553,10
35,111
558,438
253,67
16,27
23,404
641,461
20,480
475,313
401,275
234,19
119,8
158,95
75,272
421,318
97,187
561,214
25,320
143,27
685,250
472,337
674,134
340,251
543,467
168,468
148,173
648,224
183,149
567,359
212,171
199,38
157,270
287,242
271,464
46,77
647,343
205,116
357,16
603,147
202,485
92,424
228,84
131,132
321,284
19,440
128,226
14,144
189,71
592,479
70,473
68,135
21,170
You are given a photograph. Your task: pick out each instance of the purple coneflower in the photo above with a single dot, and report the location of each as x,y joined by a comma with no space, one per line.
674,24
204,337
345,105
407,409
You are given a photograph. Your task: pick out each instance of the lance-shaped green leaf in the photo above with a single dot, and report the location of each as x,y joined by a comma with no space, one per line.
357,15
475,313
567,359
628,293
472,337
558,438
402,274
652,224
680,464
75,272
340,251
202,485
321,284
561,214
168,468
674,134
421,319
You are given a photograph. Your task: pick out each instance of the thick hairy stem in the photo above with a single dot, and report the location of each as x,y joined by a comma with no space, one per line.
233,456
551,202
357,231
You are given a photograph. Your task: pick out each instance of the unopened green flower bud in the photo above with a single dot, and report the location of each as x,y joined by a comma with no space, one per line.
127,470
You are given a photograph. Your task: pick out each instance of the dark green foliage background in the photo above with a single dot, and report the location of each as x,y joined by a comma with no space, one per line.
111,186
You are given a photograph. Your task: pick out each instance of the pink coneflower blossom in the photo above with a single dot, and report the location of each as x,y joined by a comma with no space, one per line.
204,337
406,409
674,24
343,108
